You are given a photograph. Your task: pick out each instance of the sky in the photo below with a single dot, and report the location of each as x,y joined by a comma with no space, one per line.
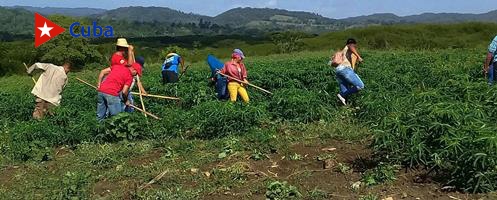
329,8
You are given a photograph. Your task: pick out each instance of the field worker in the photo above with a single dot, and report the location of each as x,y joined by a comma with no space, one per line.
491,60
235,68
348,80
221,82
125,50
49,86
351,53
138,66
114,90
170,68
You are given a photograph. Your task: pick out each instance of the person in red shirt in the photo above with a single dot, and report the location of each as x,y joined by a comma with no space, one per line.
235,68
117,59
125,50
117,82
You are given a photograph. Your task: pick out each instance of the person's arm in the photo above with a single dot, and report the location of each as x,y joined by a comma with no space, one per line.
354,51
487,61
224,70
140,85
492,48
103,73
128,80
125,93
131,55
42,66
182,61
244,73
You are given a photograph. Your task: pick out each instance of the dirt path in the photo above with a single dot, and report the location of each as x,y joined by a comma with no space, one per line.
308,174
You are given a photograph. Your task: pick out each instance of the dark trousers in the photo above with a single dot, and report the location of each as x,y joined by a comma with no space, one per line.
221,88
169,77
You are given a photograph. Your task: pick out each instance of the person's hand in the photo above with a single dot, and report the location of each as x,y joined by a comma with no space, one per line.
485,69
245,81
128,103
360,59
131,48
144,92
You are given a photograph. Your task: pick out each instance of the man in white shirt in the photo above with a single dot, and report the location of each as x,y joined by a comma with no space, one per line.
49,86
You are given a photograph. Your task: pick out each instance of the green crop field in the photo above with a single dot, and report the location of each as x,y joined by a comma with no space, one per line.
425,120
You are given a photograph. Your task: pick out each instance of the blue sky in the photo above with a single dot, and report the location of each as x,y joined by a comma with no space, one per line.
328,8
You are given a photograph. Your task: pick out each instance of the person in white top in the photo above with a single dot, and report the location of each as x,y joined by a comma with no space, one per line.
49,86
348,81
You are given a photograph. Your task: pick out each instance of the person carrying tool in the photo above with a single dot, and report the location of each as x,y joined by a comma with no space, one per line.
138,66
490,61
236,69
49,86
114,90
125,55
170,68
125,50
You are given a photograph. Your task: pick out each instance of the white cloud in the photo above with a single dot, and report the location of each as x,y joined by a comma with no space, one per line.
272,3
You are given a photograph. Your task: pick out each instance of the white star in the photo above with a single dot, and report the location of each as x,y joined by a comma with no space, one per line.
45,30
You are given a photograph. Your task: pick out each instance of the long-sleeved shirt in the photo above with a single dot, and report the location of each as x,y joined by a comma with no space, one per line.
231,69
51,82
492,48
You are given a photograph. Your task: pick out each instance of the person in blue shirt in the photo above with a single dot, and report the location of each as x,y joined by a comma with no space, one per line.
170,68
220,82
491,61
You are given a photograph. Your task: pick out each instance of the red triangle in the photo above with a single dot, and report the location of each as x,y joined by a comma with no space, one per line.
51,30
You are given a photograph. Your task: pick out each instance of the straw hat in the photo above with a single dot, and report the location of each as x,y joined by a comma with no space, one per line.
171,54
121,42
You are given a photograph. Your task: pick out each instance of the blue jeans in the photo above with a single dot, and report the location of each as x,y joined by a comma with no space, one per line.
348,80
221,88
491,72
107,105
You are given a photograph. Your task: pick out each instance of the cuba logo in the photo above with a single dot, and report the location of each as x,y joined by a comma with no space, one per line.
45,30
97,31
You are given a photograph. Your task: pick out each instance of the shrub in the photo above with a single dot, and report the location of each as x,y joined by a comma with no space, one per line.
281,190
298,105
219,119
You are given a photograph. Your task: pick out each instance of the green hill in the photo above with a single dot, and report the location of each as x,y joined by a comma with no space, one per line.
388,18
243,16
419,36
150,14
16,22
75,12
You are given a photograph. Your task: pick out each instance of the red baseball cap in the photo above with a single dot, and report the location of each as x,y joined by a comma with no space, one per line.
138,68
118,59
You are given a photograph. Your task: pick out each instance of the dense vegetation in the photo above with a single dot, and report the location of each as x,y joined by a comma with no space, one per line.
425,102
432,110
15,22
456,36
427,109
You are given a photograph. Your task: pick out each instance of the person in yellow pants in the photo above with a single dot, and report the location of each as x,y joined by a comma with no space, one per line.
236,89
235,68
